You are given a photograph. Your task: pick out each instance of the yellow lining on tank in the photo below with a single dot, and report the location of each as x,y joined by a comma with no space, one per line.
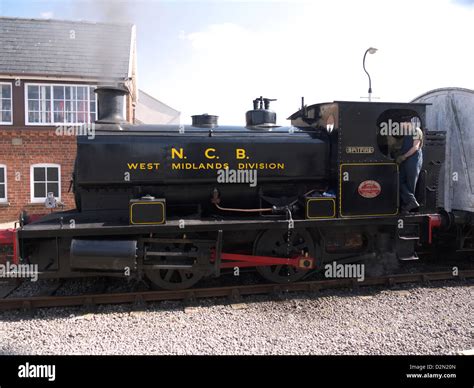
321,199
147,223
340,189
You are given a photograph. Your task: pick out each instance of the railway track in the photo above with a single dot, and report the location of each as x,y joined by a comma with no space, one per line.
233,292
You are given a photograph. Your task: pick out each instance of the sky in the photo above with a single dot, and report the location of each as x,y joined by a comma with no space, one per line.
215,57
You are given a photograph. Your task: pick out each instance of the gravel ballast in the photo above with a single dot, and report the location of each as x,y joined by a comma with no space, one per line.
412,319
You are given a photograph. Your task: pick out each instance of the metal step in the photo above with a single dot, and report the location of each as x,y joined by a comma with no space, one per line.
411,232
408,237
409,258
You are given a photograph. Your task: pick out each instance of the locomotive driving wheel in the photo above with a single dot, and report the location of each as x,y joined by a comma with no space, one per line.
283,243
172,278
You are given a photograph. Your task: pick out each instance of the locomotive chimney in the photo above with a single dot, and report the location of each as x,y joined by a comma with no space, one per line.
110,102
261,115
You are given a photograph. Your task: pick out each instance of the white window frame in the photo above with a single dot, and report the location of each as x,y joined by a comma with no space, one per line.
53,123
4,200
34,199
11,105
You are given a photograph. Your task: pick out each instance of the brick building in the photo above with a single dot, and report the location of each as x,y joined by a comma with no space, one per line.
48,71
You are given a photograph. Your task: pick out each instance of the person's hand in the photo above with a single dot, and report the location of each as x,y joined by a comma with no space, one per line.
400,159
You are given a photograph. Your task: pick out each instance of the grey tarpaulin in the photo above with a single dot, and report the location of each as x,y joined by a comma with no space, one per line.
452,110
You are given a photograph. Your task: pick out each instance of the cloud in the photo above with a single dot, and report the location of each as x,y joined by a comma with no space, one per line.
47,14
318,54
224,36
464,2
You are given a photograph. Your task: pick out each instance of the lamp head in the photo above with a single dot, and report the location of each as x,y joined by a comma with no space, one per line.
372,50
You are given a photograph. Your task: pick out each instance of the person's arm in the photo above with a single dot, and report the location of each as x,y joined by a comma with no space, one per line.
412,150
416,146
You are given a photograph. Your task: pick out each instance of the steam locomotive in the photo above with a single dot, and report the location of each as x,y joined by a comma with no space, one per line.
171,203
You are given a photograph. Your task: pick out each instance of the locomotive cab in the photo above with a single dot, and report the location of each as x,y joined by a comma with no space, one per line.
362,157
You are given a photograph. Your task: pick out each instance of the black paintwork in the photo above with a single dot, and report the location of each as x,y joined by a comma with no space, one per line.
103,161
312,154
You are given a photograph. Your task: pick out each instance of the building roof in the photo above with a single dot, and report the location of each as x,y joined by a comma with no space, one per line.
66,49
150,110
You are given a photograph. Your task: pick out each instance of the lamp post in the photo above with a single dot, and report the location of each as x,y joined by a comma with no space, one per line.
370,50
